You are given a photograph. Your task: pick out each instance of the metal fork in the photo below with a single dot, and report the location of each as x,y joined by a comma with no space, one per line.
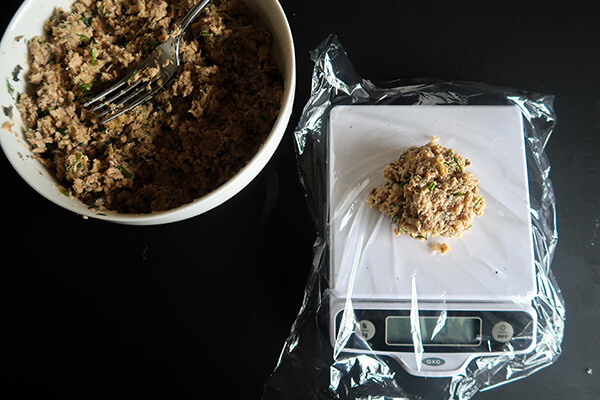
128,92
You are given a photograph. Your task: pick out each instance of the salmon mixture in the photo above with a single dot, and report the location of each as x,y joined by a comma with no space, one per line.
429,192
208,122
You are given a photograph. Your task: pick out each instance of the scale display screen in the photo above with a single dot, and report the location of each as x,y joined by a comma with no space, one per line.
454,331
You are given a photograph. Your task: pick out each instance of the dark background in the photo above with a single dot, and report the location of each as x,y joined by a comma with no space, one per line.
201,308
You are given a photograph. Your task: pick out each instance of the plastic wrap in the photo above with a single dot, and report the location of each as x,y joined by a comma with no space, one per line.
384,317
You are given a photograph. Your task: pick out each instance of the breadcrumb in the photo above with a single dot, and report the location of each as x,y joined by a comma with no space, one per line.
440,248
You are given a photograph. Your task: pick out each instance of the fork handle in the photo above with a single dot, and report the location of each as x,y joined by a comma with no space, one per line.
192,15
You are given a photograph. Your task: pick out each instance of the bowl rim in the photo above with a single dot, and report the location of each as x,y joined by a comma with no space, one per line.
235,184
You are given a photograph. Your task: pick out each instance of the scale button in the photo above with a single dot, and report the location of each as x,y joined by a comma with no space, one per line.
366,329
502,332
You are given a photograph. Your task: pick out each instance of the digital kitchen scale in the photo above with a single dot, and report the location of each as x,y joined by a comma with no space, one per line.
393,296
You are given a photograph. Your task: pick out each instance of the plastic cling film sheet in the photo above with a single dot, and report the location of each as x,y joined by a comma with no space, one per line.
442,302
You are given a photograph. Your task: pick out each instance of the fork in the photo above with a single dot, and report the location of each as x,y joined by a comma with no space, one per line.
128,92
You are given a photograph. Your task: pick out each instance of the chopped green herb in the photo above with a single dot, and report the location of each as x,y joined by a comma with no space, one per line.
421,237
477,203
85,20
394,218
93,53
125,173
10,88
62,131
83,37
67,192
455,161
101,9
458,164
458,194
431,186
86,86
402,184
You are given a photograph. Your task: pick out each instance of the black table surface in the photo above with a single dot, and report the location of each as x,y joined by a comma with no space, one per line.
202,307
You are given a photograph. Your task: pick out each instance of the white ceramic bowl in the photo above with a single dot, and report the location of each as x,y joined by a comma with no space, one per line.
28,22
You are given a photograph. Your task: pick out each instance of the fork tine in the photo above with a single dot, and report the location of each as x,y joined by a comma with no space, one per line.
119,84
135,90
140,87
140,99
119,94
108,91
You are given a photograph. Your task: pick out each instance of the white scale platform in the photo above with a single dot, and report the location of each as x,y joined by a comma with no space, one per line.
493,264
